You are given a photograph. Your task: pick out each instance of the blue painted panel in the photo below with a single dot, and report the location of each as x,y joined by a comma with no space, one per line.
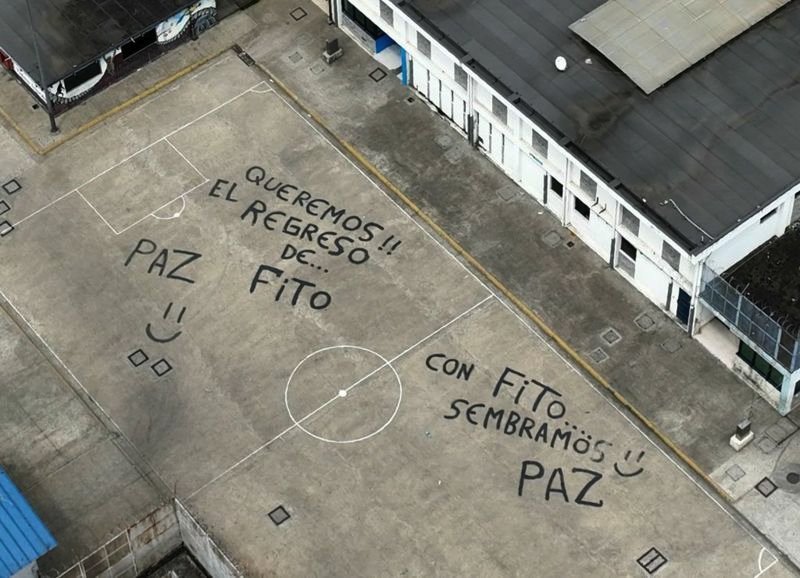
404,69
23,537
383,42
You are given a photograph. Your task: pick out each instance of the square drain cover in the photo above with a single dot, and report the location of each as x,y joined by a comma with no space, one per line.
137,358
5,228
279,515
11,187
598,355
298,14
4,208
765,487
552,239
377,75
671,345
508,192
295,57
161,367
611,336
735,472
652,561
645,322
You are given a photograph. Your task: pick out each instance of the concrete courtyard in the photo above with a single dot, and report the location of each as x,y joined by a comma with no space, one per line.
241,317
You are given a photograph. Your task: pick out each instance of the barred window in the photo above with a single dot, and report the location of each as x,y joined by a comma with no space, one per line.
630,221
423,44
499,110
539,143
671,256
460,76
387,14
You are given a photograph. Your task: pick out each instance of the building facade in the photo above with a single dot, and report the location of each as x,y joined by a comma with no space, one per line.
574,191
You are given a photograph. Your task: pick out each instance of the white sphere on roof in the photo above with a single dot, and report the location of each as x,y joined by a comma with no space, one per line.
561,63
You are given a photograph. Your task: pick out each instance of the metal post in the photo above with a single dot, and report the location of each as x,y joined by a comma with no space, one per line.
48,101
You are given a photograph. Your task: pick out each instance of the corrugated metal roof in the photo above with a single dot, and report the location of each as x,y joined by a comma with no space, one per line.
23,537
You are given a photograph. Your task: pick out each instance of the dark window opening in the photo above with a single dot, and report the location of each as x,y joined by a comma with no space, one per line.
556,187
136,45
627,248
761,365
582,208
359,18
83,75
768,215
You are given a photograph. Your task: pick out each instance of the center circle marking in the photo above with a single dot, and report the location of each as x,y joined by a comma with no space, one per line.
343,393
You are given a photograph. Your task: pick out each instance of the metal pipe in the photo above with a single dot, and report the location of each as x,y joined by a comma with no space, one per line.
48,101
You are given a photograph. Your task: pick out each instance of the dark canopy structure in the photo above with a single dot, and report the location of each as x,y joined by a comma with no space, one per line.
73,33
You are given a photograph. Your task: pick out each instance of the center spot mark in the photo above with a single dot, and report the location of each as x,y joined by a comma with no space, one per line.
343,394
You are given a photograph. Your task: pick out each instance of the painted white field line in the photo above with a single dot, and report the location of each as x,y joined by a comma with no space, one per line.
761,568
182,197
146,148
183,156
334,398
437,241
102,218
117,430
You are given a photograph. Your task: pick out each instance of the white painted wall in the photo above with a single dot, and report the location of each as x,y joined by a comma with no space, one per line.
509,146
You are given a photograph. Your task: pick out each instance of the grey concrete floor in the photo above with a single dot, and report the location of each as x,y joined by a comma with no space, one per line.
325,401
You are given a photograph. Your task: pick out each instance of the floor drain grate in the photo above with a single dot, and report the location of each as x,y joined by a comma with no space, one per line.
645,322
598,355
766,487
410,100
377,75
611,336
11,186
4,208
570,244
652,561
279,515
295,57
508,192
298,13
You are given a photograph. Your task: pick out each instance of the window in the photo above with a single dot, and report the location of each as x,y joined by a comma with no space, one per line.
499,110
770,214
460,75
588,185
539,143
387,14
630,221
556,187
582,208
359,18
761,365
423,44
671,256
627,248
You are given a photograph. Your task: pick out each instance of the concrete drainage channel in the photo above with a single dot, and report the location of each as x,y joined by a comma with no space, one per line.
146,544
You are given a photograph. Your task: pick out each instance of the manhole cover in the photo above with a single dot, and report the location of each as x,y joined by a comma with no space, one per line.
651,561
611,336
508,192
444,141
765,487
552,239
12,186
645,322
793,477
298,14
598,355
295,57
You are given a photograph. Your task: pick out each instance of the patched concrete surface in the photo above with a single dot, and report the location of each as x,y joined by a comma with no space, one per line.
269,377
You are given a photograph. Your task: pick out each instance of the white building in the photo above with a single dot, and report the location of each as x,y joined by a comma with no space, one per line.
671,173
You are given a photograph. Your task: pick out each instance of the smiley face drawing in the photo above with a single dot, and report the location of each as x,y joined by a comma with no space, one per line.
157,338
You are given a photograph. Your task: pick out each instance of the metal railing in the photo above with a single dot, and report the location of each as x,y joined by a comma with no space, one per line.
753,322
